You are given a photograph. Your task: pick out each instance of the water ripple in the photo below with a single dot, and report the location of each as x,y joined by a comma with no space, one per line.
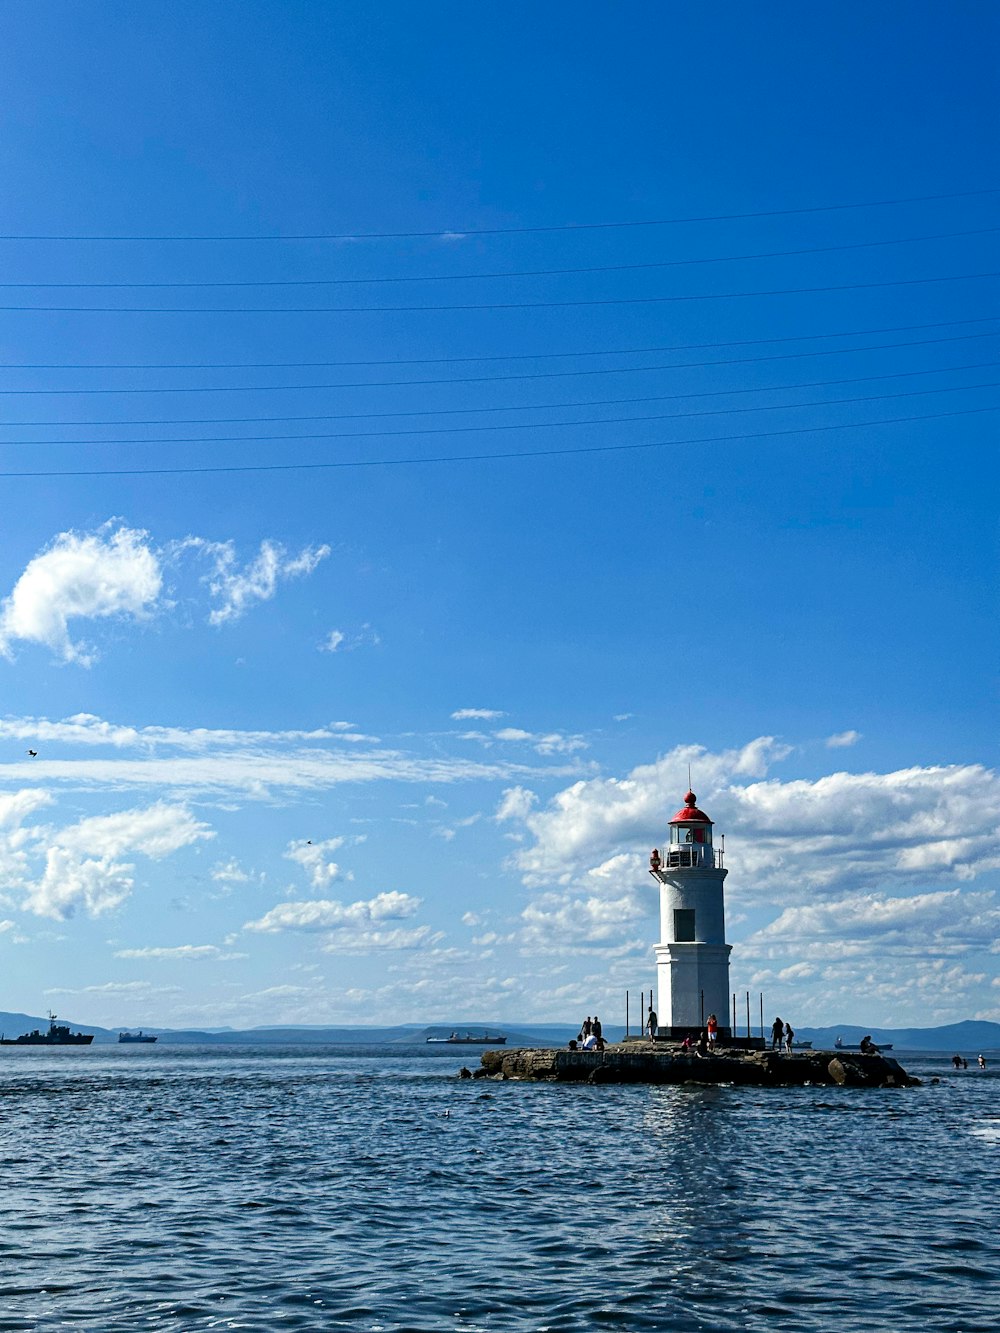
263,1189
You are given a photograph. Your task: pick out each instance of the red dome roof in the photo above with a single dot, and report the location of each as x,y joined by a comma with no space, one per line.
690,814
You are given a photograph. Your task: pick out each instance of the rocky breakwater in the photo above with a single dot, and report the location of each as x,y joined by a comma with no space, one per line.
644,1062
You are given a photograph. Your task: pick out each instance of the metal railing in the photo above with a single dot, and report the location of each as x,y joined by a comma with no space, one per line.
693,856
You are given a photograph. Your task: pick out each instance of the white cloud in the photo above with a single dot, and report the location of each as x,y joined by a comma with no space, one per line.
17,842
852,831
605,905
88,729
184,952
230,872
490,939
560,922
359,927
340,641
84,865
797,972
236,588
312,857
826,836
280,993
114,572
448,833
325,914
224,763
906,988
88,576
931,921
544,743
515,803
843,740
15,806
553,742
381,941
116,988
485,714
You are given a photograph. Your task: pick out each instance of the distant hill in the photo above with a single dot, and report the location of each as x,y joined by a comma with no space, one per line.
407,1034
973,1035
528,1034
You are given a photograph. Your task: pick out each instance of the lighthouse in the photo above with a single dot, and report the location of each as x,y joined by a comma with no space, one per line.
692,957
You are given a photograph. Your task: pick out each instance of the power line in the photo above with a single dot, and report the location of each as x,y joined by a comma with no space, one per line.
516,356
517,273
457,233
488,305
517,407
493,457
516,425
400,384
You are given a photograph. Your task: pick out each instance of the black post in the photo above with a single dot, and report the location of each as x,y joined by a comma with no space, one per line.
702,993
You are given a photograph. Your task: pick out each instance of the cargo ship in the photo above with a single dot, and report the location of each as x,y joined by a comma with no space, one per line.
135,1037
468,1039
58,1034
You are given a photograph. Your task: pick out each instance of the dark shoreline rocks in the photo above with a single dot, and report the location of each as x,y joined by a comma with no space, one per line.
644,1062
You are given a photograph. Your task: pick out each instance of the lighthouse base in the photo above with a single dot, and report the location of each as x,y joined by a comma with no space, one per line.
676,1033
692,983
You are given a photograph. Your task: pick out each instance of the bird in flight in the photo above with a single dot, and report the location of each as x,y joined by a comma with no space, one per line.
33,753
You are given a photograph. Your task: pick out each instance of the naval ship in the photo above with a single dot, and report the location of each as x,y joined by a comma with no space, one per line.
58,1034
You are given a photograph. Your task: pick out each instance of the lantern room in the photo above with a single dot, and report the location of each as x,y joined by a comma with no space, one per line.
690,834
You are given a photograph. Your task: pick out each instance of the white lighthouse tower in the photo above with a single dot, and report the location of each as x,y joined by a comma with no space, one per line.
692,958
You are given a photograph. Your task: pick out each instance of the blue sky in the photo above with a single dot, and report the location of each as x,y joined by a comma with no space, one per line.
378,718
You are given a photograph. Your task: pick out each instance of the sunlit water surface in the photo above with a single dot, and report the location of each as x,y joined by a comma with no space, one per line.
192,1188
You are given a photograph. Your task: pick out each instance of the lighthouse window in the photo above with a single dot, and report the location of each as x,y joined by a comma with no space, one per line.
699,833
684,925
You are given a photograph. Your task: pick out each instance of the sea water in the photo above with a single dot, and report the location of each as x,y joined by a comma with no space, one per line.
190,1188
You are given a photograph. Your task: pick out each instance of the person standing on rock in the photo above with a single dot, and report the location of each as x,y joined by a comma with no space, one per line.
789,1037
651,1023
777,1031
596,1028
585,1031
712,1031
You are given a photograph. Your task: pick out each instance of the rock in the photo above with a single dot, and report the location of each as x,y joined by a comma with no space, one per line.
464,1073
869,1071
638,1063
